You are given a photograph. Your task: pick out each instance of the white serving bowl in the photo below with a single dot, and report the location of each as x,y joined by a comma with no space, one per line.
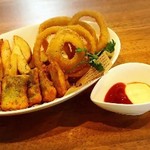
126,73
29,33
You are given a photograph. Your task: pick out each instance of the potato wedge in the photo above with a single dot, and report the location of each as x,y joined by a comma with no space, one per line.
13,64
23,66
5,55
24,47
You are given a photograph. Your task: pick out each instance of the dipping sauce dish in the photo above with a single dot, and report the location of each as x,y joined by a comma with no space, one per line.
128,73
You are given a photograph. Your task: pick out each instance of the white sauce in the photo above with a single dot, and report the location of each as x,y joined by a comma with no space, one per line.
138,92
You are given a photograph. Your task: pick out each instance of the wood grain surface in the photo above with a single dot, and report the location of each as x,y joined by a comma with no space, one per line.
78,123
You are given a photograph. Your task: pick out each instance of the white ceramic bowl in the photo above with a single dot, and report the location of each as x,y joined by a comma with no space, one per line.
126,73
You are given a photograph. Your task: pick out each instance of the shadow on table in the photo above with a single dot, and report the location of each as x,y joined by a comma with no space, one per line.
79,111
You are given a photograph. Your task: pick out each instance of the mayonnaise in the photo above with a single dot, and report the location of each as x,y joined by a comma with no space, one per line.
138,92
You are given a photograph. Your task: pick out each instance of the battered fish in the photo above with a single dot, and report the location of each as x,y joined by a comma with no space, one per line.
34,92
58,78
14,89
47,88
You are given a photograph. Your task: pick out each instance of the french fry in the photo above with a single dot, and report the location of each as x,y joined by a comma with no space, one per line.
5,55
23,66
24,47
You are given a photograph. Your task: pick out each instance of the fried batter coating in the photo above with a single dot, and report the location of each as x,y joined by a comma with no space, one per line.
104,34
58,78
47,89
34,92
14,92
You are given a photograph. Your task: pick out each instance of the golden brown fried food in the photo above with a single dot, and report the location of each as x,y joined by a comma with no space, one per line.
13,64
85,34
54,50
24,47
56,21
34,92
1,70
58,78
1,77
104,35
23,66
14,89
90,29
78,71
47,89
38,43
5,55
1,64
1,42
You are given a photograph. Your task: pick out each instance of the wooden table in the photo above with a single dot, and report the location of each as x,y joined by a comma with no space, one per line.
78,123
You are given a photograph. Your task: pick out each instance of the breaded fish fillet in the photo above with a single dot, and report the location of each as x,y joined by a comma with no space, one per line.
58,78
48,90
14,92
34,92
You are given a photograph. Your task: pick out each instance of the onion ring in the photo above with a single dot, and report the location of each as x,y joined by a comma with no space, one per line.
90,29
56,21
104,35
86,35
39,40
52,30
56,45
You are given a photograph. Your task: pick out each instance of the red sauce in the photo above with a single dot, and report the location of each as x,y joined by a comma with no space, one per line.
116,94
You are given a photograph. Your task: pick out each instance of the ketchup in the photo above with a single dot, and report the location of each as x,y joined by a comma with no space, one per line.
116,94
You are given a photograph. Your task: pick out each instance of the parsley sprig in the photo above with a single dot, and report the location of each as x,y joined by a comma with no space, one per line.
110,47
92,58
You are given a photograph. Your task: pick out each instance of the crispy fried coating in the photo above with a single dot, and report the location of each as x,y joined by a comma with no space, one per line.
14,92
47,89
58,78
104,34
34,92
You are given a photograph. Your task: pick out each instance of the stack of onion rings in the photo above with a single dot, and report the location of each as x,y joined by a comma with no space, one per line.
70,34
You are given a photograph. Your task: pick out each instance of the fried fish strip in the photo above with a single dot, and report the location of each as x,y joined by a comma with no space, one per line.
58,78
34,92
14,90
47,89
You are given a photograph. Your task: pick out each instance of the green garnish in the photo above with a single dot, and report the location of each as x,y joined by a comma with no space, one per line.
92,58
110,47
78,50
